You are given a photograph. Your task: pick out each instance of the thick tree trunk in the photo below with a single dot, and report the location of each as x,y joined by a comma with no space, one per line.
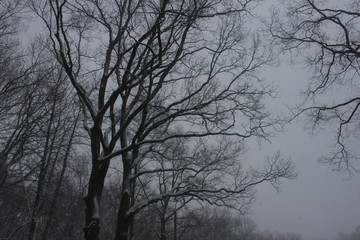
123,219
163,229
93,199
96,185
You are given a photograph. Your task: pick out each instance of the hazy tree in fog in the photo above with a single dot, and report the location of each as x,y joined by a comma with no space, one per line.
52,145
327,35
353,236
38,173
222,224
208,223
15,98
37,126
267,235
184,171
148,72
180,164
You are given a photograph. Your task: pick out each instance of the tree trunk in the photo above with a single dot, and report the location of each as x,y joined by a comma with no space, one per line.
61,178
123,219
175,224
96,185
163,229
93,199
42,174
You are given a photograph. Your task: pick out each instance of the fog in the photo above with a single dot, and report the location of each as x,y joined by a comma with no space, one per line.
320,202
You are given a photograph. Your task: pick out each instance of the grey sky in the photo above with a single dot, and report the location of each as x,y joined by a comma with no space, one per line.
320,202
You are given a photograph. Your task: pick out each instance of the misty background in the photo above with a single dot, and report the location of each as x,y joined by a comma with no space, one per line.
320,202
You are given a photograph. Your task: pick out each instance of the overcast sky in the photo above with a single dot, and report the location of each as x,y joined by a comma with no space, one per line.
319,203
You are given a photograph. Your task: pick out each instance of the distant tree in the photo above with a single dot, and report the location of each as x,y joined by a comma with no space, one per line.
38,173
211,224
327,35
38,123
15,97
207,223
353,236
149,72
267,235
228,226
52,147
182,172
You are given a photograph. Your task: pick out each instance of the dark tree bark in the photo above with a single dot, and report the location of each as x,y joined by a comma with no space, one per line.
160,71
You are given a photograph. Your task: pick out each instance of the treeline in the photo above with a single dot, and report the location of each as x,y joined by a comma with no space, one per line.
129,119
350,236
116,127
60,216
210,224
40,187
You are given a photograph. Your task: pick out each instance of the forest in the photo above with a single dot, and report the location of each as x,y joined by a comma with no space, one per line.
130,120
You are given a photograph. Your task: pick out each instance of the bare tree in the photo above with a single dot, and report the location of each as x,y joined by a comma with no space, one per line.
40,170
277,236
37,127
352,236
183,171
327,35
148,72
38,122
207,223
14,127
